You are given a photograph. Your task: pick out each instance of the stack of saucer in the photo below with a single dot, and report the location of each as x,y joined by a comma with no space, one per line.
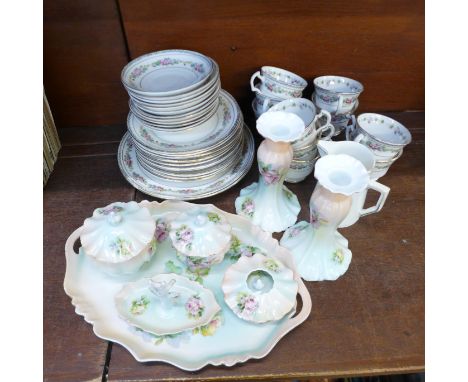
275,86
186,137
339,96
305,148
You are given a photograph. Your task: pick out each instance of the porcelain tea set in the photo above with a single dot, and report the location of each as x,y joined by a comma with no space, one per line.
193,285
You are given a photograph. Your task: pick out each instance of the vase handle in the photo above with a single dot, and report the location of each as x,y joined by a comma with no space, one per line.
383,191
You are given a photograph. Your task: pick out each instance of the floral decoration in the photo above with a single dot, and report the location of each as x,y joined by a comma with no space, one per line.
328,98
139,70
246,303
248,207
270,175
296,229
271,264
122,247
184,237
108,210
272,87
213,217
194,307
139,305
162,230
338,256
315,219
239,249
210,328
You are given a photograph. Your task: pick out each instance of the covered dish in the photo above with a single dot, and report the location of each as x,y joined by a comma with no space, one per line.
166,304
119,238
259,288
201,237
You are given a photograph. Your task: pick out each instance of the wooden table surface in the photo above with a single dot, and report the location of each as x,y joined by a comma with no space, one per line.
370,321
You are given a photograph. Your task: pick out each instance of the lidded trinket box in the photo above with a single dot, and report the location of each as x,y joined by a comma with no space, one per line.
201,237
119,238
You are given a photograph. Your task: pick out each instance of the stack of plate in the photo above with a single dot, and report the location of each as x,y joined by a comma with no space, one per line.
186,137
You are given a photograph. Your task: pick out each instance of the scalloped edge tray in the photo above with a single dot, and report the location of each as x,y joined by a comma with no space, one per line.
98,308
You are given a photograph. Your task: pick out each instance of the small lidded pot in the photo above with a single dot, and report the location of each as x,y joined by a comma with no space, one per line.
201,237
119,238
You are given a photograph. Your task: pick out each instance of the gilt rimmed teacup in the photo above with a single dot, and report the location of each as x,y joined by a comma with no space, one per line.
337,94
383,135
278,82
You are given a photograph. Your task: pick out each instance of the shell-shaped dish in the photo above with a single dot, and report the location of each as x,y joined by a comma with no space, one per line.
342,174
280,126
200,232
118,232
259,288
166,304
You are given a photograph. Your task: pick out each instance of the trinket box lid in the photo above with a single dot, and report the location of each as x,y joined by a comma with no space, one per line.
117,232
166,304
200,232
260,288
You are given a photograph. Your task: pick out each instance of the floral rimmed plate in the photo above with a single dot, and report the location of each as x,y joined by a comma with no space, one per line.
166,304
226,340
167,72
159,188
259,288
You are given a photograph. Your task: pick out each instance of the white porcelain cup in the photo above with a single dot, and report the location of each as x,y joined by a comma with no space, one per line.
383,135
337,94
279,82
366,157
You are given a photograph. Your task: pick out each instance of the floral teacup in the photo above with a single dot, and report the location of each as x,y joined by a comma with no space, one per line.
383,135
337,94
279,82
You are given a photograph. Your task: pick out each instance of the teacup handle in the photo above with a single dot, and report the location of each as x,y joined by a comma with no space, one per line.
383,191
266,105
326,126
351,128
252,80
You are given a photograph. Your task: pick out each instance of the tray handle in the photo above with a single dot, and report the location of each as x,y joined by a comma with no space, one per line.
305,311
69,251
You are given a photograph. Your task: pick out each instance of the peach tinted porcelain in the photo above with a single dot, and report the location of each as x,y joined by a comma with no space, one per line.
268,203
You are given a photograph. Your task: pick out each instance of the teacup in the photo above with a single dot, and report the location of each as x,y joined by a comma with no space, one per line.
337,94
265,100
383,135
279,82
307,111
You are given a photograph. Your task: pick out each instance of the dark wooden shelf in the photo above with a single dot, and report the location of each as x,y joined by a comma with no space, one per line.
370,321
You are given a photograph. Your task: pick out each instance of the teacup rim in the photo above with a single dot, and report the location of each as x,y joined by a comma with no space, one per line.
400,125
316,85
282,82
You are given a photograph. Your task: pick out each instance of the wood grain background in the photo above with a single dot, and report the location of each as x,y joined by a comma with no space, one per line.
86,44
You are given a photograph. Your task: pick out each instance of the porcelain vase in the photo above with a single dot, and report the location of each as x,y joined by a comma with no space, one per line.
268,202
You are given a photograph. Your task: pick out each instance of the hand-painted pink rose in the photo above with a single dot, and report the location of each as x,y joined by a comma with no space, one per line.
187,236
166,61
161,231
246,251
194,306
136,72
271,177
251,304
314,219
249,207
